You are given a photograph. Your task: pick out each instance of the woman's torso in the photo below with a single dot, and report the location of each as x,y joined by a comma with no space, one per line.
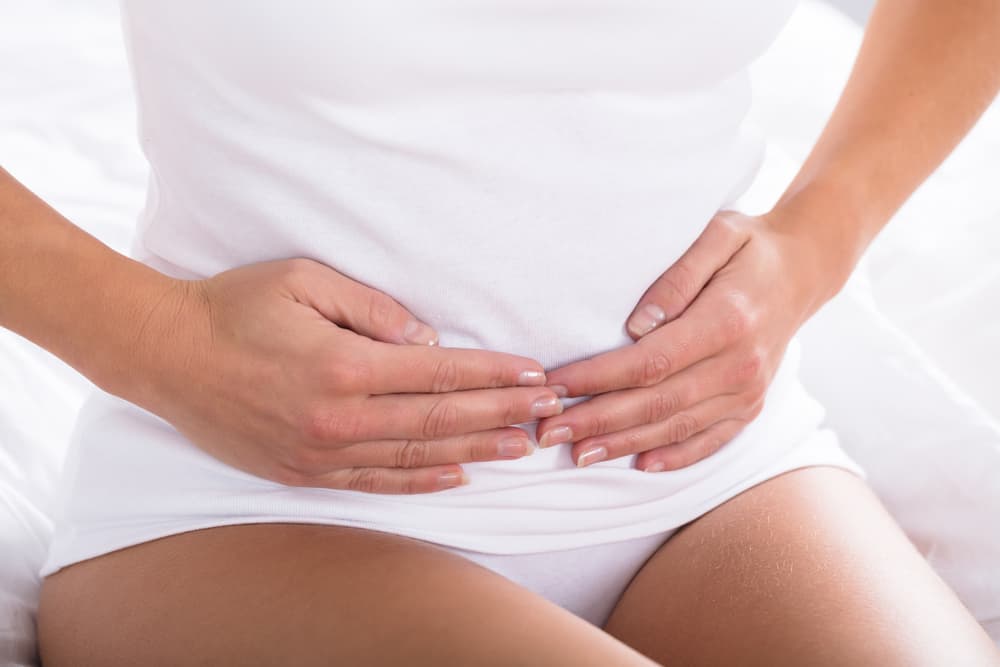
514,172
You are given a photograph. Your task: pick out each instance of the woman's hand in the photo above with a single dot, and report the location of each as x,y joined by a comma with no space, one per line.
293,372
710,333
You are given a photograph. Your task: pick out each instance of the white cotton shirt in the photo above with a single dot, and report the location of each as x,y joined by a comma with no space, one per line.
516,173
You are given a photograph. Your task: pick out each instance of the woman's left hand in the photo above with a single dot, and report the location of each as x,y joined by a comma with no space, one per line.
710,333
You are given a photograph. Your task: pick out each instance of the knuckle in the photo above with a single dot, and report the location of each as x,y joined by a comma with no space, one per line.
741,317
600,423
681,427
411,484
299,269
497,376
514,411
480,449
381,309
351,374
316,426
413,454
749,369
445,377
367,480
681,279
633,442
661,405
441,419
655,368
331,426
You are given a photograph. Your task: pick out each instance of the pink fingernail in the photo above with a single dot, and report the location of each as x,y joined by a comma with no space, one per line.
452,479
514,447
559,390
419,333
531,378
592,456
546,406
646,319
656,467
557,436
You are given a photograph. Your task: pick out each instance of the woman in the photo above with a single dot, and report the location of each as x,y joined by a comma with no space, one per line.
379,240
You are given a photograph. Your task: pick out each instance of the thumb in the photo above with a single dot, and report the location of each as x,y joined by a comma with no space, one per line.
678,286
362,309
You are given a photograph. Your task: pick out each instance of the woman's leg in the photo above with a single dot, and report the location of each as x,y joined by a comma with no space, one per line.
805,569
277,594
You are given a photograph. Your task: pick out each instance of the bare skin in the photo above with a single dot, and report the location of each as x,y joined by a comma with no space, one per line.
805,569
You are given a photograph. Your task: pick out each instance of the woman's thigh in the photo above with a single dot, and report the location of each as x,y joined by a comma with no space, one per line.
274,594
805,569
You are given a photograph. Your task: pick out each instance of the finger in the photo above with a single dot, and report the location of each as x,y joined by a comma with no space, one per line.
676,428
393,369
388,480
356,306
697,447
619,410
701,332
493,445
430,416
678,286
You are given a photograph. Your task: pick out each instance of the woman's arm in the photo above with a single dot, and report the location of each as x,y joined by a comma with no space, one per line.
926,71
66,291
277,368
712,330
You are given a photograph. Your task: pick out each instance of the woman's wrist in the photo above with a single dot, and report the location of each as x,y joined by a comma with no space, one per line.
828,229
92,307
136,351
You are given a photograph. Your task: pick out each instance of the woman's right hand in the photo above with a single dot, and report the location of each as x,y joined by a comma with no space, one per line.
293,372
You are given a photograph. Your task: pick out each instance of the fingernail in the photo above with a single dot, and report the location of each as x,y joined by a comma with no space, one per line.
559,390
592,455
557,436
514,447
646,319
419,333
452,479
546,406
531,378
655,467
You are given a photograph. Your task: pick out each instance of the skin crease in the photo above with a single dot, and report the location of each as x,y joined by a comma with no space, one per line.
926,71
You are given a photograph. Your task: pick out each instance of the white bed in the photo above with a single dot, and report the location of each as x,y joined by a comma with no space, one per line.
904,358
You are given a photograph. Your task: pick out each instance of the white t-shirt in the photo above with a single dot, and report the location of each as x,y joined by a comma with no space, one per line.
514,172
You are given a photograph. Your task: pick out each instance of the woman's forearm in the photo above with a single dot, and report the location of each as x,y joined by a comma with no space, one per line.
925,73
66,291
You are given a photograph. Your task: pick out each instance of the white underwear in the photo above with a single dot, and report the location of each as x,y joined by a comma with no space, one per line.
587,581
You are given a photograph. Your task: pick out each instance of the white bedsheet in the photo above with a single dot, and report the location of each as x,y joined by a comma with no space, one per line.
928,438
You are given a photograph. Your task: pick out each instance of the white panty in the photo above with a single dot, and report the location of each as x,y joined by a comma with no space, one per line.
587,581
